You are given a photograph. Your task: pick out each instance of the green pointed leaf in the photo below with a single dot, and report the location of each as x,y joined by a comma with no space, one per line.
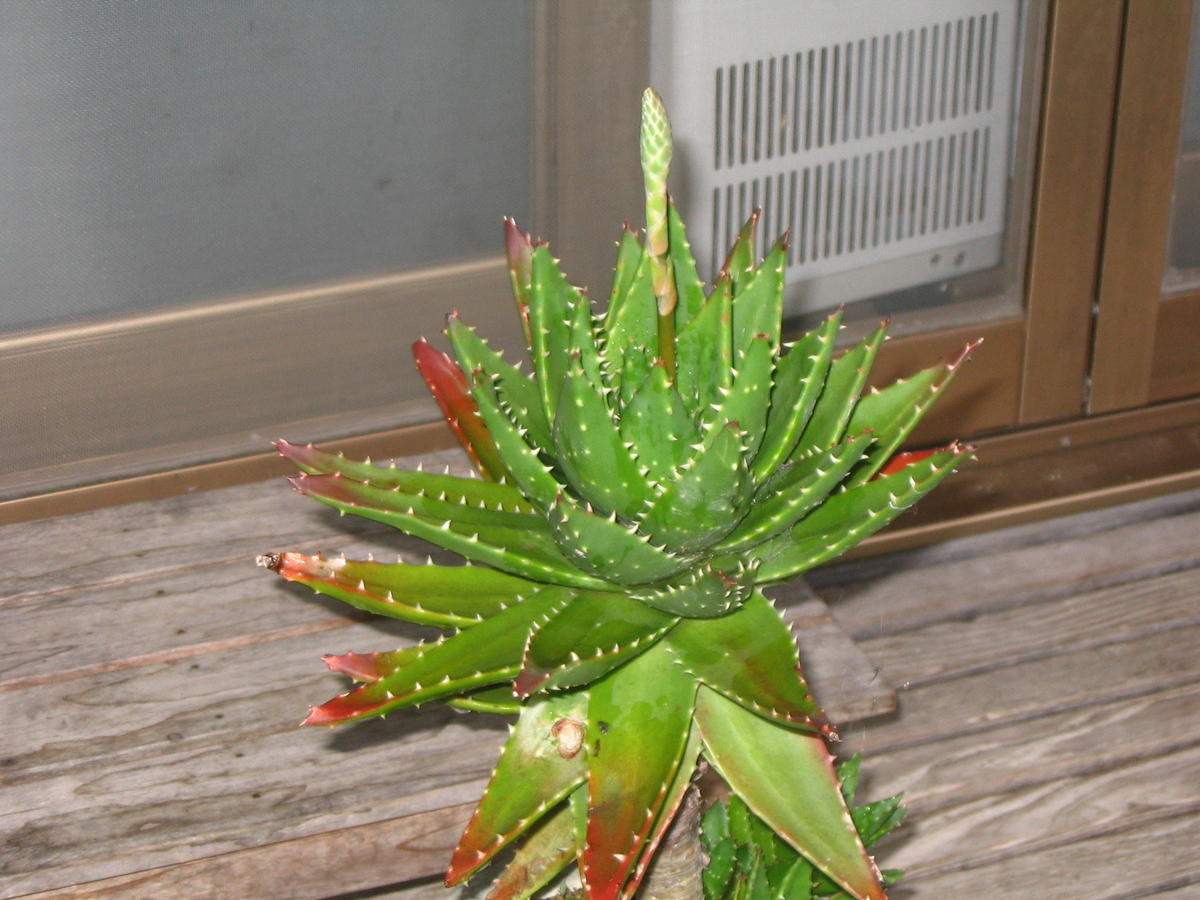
847,376
515,390
451,488
797,883
629,257
688,286
847,517
532,477
518,551
704,354
758,308
668,807
658,425
706,498
641,711
589,637
536,770
552,304
894,412
751,657
636,367
847,773
739,264
444,596
483,655
788,497
631,321
807,810
590,450
703,592
608,548
547,849
799,381
749,396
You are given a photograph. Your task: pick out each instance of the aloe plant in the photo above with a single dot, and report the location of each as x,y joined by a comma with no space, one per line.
661,463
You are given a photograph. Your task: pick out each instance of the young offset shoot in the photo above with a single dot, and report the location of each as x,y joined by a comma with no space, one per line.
657,466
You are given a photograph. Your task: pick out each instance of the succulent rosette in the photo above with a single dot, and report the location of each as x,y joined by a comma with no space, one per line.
657,466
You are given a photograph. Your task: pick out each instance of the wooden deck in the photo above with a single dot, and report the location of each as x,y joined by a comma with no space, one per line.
1047,738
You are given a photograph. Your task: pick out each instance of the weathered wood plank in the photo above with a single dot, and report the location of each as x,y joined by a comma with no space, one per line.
1024,693
138,540
900,592
1131,862
1039,629
1068,811
341,861
1026,754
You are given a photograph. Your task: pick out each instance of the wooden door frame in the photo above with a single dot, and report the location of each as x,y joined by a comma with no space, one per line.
1129,338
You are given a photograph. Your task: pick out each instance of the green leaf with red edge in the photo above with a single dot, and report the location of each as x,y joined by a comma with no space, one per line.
518,248
845,381
547,849
846,518
541,762
483,655
788,780
520,551
514,388
443,596
449,388
592,635
641,713
491,495
666,812
892,413
751,657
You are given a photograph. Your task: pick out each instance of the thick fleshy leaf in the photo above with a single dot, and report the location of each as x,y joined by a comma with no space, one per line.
552,302
706,498
631,324
758,308
788,780
590,450
609,549
799,380
751,657
666,812
643,712
518,551
546,850
515,390
449,388
702,592
688,286
847,377
749,396
739,263
518,248
486,654
592,635
704,354
435,485
894,412
526,470
658,425
541,762
459,511
444,596
784,500
847,517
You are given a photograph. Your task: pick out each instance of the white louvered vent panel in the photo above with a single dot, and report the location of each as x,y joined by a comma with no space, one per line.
876,131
